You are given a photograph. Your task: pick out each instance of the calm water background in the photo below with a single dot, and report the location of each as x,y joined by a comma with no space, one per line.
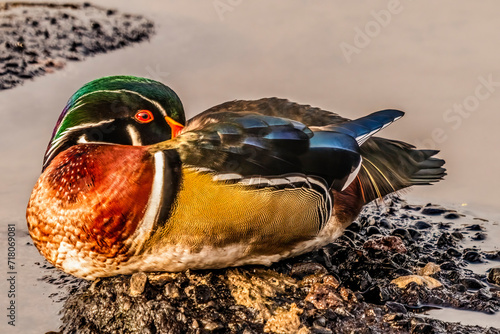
428,58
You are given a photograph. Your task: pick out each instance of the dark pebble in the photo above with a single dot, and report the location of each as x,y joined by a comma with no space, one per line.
457,235
421,225
484,294
399,259
433,210
394,307
355,227
411,207
320,330
402,272
452,215
423,329
203,293
460,287
444,226
320,321
373,295
472,256
402,233
446,240
448,266
385,223
479,236
453,252
307,268
474,227
494,276
472,283
414,233
492,255
372,230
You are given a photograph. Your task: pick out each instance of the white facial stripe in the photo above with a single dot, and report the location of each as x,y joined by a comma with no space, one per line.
135,137
155,103
146,226
55,143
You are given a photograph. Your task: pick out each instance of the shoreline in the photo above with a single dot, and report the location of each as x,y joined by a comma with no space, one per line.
41,37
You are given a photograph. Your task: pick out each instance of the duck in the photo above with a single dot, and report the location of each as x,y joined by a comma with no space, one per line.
128,185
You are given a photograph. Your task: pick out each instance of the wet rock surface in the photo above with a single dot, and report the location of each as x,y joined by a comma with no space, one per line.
349,286
38,38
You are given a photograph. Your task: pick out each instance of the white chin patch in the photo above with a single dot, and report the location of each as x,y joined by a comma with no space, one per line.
135,137
82,140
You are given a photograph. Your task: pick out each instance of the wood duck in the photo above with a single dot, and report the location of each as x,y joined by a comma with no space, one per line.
128,186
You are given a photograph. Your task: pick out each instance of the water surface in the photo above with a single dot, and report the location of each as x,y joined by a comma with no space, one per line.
428,58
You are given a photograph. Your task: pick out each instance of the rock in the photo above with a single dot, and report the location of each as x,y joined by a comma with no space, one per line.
354,227
492,255
427,281
494,276
446,239
307,268
474,227
429,269
472,256
422,225
372,230
433,210
453,252
161,278
412,207
472,283
452,215
385,223
413,233
423,329
324,296
386,244
212,325
172,291
479,236
396,307
137,284
448,265
203,293
402,233
285,321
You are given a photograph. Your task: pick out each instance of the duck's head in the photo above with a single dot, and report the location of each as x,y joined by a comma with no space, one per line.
123,110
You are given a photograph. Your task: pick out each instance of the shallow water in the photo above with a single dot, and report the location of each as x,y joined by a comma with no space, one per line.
426,59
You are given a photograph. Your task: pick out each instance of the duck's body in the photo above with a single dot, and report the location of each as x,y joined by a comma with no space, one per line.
246,182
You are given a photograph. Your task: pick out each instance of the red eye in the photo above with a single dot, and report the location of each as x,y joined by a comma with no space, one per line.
144,116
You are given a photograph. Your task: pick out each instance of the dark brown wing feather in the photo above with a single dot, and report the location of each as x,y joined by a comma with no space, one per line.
390,165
